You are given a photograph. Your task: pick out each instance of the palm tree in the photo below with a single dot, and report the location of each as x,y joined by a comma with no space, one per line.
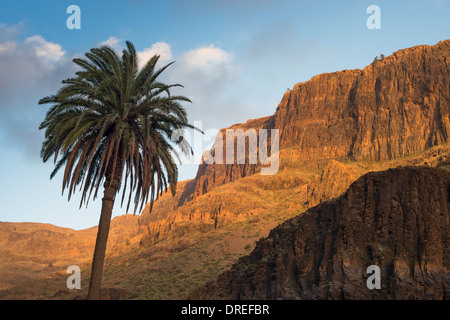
114,121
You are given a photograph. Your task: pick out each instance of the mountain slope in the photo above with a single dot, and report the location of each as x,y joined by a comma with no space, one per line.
35,250
334,128
394,107
398,220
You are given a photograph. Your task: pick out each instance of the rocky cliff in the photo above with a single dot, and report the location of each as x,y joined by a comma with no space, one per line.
212,175
390,110
397,219
394,107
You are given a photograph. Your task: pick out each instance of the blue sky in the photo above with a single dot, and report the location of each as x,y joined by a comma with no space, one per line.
235,58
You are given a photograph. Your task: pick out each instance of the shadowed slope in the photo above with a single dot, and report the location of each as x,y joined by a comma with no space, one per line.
397,219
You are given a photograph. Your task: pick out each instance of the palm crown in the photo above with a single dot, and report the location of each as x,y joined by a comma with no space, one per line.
114,120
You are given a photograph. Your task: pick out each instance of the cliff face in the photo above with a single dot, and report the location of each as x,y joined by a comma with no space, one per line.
397,219
213,175
395,107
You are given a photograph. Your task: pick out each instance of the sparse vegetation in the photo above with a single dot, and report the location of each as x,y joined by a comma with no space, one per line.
381,57
157,271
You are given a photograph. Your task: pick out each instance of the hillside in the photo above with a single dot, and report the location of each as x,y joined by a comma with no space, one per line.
334,129
398,220
392,109
31,251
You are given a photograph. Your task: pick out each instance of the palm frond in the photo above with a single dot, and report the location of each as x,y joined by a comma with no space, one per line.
112,123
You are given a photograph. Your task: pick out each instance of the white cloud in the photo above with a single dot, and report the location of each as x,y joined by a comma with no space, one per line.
206,58
204,71
32,63
202,59
112,42
30,69
160,48
48,51
211,78
7,47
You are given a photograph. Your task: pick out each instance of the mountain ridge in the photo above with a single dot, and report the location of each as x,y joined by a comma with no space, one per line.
394,107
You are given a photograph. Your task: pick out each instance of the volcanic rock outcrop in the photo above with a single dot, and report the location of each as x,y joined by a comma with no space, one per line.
398,220
394,107
215,174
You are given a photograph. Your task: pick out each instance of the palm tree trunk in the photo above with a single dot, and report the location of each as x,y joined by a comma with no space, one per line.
100,244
